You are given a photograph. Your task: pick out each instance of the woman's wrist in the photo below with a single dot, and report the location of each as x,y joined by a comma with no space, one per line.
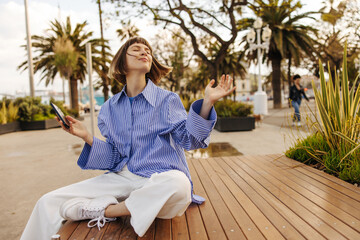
88,139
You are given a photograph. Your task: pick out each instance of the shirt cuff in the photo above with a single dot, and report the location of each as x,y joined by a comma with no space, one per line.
199,127
96,156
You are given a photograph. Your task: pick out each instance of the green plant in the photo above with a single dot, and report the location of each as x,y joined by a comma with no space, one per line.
229,108
3,113
336,129
186,102
8,112
31,109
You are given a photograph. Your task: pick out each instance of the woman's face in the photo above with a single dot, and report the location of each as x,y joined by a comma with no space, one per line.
297,81
138,58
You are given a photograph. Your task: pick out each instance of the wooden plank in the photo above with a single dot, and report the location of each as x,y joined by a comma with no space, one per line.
67,229
326,204
310,171
268,204
350,196
288,187
195,223
231,229
269,221
237,210
95,233
114,229
339,200
179,228
81,231
212,224
273,195
162,229
128,231
150,233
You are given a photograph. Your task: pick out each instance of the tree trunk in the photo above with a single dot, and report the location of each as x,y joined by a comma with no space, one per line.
289,77
276,81
74,94
104,77
214,73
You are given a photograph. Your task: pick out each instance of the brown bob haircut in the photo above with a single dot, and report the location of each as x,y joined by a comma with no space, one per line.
118,67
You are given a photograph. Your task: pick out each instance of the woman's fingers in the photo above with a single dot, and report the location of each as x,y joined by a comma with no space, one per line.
211,83
71,119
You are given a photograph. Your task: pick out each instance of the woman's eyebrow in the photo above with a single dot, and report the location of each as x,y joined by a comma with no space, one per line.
138,47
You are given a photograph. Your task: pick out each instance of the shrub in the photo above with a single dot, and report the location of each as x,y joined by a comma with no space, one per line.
229,108
31,109
8,111
336,129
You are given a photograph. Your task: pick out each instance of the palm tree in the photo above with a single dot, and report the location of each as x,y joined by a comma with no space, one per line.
45,61
129,30
232,64
288,39
65,58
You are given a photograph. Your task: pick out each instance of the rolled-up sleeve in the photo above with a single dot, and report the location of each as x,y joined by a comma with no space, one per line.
101,155
199,127
190,131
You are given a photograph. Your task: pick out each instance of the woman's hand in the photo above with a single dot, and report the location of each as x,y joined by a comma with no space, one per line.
213,94
77,128
221,90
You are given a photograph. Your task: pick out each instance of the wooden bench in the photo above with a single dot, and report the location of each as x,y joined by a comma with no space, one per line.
251,197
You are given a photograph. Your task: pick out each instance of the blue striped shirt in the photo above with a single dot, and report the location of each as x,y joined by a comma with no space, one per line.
149,135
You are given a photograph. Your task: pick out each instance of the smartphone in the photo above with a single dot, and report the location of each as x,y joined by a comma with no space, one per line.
60,115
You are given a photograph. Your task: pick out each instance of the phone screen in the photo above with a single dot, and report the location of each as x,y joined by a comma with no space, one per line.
60,115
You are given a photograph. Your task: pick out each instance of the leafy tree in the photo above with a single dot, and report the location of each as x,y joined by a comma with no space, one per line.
128,30
289,37
104,62
342,23
171,48
48,65
200,21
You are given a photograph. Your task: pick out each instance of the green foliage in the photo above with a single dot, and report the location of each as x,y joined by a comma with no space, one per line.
336,129
229,108
8,111
31,109
3,113
186,102
74,112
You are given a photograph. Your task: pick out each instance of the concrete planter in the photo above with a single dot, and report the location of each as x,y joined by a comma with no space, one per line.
39,125
235,124
10,127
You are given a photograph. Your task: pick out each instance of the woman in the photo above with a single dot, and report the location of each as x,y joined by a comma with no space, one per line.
296,93
146,130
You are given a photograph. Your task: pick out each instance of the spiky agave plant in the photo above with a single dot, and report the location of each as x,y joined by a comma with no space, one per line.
339,116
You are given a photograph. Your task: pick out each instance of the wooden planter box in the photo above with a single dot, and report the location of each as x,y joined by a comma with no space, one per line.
10,127
235,124
39,125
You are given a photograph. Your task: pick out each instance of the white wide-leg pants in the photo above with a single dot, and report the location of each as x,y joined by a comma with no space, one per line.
163,195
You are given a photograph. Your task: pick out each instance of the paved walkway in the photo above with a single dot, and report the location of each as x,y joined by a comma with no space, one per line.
33,163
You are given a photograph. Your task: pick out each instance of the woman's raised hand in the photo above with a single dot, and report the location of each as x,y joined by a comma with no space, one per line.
221,90
77,128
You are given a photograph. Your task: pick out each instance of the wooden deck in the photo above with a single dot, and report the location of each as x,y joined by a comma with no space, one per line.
251,197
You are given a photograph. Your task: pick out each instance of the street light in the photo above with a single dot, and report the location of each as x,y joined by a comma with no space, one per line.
260,98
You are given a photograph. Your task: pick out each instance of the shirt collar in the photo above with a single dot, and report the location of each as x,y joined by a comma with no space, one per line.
149,93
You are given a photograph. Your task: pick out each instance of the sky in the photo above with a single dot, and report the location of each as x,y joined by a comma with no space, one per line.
41,12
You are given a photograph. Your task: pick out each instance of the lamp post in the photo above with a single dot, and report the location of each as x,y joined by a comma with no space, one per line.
30,60
260,98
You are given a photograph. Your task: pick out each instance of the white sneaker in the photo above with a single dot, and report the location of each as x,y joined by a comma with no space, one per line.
298,124
83,208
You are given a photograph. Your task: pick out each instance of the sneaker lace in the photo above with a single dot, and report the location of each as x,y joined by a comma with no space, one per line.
97,218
